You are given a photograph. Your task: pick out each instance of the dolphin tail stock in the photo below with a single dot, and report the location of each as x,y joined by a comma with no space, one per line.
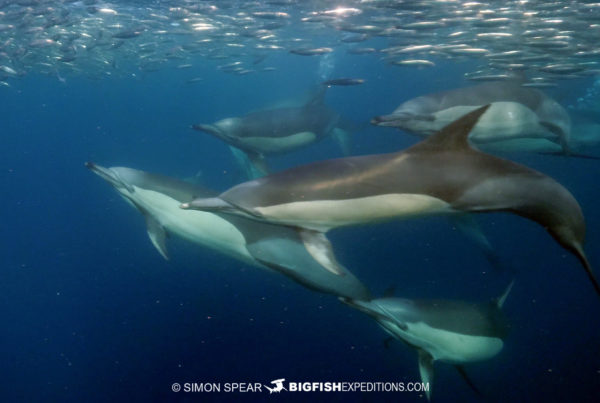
465,376
578,249
426,370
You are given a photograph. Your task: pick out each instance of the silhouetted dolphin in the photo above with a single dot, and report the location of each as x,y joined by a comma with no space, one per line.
519,117
440,175
279,248
277,130
456,332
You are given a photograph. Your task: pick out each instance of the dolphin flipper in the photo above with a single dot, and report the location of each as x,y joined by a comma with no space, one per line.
560,133
319,247
254,165
470,228
463,373
157,235
342,137
426,370
290,257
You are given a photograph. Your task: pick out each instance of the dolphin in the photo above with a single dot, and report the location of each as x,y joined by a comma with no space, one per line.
277,130
442,174
456,332
519,117
274,247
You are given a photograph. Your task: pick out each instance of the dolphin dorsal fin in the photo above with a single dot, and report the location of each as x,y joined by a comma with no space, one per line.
453,136
500,300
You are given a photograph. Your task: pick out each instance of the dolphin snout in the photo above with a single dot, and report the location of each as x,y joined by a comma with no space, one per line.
398,119
210,129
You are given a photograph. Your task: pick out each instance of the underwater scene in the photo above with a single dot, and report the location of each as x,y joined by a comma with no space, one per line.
353,200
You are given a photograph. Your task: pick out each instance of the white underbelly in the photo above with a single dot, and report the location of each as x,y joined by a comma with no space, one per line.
450,346
196,226
273,145
323,215
502,121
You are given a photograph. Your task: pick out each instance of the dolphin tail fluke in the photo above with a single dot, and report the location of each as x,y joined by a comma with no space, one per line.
319,247
157,235
253,164
426,370
463,373
344,140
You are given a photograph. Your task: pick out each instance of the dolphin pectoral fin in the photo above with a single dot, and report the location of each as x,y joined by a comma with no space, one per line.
502,298
319,247
157,235
426,370
463,373
254,166
259,164
343,139
387,342
560,133
469,227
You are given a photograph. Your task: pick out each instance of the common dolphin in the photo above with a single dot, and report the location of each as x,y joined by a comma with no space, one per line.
442,174
264,245
456,332
277,130
518,117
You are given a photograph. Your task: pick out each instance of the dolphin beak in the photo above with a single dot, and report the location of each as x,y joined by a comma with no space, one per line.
105,173
208,204
108,175
398,120
210,129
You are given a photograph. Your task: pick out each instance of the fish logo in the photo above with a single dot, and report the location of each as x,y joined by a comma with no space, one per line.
278,386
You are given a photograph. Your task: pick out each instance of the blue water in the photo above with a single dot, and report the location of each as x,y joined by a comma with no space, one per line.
91,312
